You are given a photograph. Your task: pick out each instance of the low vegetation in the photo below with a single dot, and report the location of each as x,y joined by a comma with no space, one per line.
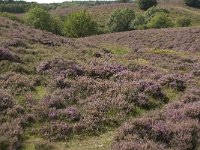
120,91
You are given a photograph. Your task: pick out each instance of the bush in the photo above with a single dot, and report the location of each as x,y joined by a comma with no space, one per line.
138,22
160,20
183,22
193,3
79,24
56,25
145,4
39,18
120,20
151,12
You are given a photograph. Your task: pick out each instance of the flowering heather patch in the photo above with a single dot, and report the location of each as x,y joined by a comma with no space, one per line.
61,67
175,81
104,70
5,54
56,131
63,88
17,83
176,126
5,101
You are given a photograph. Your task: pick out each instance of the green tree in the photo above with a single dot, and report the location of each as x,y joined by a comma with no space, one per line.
56,25
39,18
146,4
79,24
192,3
160,20
120,20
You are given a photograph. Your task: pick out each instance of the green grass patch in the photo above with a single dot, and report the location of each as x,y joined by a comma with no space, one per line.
172,94
117,49
163,51
101,142
40,92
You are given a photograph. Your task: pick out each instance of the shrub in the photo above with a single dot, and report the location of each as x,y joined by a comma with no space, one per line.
151,12
79,24
39,18
183,22
56,25
160,20
138,22
5,101
145,4
192,3
120,20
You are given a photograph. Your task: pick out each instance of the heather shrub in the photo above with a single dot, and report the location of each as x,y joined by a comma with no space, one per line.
10,135
60,67
183,22
18,83
104,70
55,102
175,126
160,20
120,20
145,4
79,24
5,101
174,81
56,131
5,54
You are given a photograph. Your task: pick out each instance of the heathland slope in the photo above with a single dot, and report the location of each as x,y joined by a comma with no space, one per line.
61,93
177,38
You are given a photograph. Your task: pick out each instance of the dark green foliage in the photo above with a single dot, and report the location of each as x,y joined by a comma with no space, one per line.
193,3
123,1
141,20
4,143
79,24
160,20
183,22
120,20
12,8
145,4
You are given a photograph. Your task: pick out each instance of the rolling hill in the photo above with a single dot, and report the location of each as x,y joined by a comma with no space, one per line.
128,90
